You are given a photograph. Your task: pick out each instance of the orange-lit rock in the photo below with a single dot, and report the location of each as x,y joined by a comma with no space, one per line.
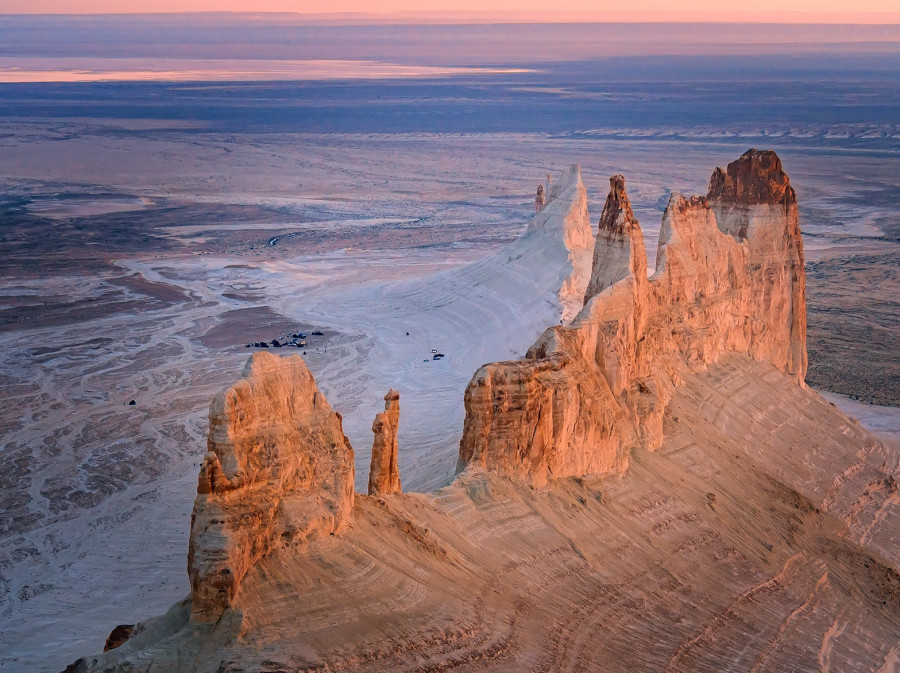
757,532
754,202
384,477
729,278
278,471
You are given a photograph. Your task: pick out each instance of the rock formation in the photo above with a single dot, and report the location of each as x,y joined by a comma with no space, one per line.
278,471
717,515
539,201
754,202
729,278
613,255
384,477
118,636
562,228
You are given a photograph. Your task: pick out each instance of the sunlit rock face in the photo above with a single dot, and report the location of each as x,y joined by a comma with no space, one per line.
754,202
717,515
384,476
277,472
618,253
729,278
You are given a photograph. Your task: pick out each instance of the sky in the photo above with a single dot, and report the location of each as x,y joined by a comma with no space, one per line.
830,11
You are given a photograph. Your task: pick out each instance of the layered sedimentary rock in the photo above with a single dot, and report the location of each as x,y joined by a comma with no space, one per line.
757,532
278,471
753,201
384,476
759,537
729,278
614,257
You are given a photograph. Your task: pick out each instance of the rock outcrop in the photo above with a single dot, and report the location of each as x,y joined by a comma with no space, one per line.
278,471
118,636
539,200
755,179
754,202
614,258
384,476
729,278
759,532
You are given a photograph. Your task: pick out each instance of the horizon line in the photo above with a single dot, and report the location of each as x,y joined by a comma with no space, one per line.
512,17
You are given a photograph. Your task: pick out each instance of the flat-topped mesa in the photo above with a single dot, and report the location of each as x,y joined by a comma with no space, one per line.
539,200
753,201
619,248
278,471
586,393
384,476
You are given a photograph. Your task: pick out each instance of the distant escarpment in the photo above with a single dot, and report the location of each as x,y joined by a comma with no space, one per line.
729,278
651,488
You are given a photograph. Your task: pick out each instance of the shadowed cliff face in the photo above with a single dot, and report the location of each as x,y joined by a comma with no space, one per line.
729,278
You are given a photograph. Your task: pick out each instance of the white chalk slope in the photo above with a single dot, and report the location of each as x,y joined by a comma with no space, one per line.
491,309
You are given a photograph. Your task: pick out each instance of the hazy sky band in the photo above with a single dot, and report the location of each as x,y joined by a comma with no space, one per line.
794,11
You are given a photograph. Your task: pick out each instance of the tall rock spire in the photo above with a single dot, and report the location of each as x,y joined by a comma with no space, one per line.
384,476
539,200
619,248
753,201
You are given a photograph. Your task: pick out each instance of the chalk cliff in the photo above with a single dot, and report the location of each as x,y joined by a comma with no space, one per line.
384,476
278,471
729,278
651,487
561,232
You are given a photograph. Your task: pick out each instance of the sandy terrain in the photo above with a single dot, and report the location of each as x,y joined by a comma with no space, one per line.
152,306
721,551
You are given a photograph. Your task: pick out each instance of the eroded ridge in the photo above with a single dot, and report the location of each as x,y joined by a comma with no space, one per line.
729,278
759,532
561,230
278,471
